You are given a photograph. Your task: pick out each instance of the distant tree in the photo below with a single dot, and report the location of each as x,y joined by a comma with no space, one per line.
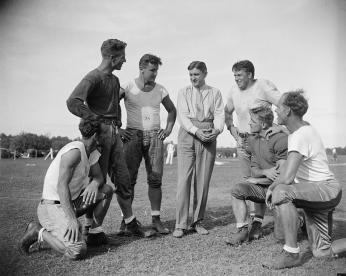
58,142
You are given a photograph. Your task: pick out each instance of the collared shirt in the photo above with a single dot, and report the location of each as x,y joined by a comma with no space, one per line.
261,93
212,103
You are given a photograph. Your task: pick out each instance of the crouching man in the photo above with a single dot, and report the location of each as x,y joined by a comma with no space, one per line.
73,185
305,182
266,158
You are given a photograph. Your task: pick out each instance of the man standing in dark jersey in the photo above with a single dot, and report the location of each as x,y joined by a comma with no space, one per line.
96,97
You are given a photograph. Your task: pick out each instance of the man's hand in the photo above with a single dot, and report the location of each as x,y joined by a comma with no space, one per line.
235,133
90,193
269,198
125,135
212,134
163,133
203,135
275,129
272,173
72,230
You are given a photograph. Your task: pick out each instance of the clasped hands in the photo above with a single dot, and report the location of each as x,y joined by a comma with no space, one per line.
207,135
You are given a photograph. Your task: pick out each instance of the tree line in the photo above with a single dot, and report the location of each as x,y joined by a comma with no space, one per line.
37,145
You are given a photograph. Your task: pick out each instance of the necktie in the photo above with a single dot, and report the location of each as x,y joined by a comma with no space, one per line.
199,106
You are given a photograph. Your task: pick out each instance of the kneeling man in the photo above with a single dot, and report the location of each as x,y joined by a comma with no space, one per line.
266,158
73,185
305,182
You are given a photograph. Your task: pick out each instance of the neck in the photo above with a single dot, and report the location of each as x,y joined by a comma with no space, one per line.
143,83
250,83
294,123
105,67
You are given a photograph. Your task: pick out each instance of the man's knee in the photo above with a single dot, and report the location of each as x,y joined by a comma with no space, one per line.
155,180
240,191
281,194
107,190
76,251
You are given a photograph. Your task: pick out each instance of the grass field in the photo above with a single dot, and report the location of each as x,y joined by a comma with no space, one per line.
21,185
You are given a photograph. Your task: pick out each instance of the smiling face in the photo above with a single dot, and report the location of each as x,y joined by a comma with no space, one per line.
197,77
242,78
149,72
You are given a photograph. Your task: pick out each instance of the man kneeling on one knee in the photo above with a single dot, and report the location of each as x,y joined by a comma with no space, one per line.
73,186
304,182
267,156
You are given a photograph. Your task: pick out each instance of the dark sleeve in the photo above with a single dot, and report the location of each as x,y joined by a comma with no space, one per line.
76,102
280,146
253,159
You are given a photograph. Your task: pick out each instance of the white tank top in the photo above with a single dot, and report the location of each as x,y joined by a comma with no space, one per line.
80,175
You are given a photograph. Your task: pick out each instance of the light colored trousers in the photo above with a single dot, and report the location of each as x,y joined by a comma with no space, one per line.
195,162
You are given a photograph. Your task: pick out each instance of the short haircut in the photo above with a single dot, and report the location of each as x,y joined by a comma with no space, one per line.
112,47
200,65
264,114
88,128
244,65
296,101
149,58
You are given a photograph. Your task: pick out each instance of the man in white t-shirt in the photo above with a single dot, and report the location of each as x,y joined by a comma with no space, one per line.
170,153
248,93
305,182
143,137
73,185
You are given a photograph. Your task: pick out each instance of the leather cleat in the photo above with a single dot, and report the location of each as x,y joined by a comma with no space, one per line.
158,226
30,237
285,260
134,228
238,238
255,231
96,239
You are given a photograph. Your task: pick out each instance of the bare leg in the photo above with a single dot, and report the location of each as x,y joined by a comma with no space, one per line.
289,216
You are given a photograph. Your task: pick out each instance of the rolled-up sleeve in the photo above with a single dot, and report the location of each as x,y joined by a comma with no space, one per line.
183,113
219,114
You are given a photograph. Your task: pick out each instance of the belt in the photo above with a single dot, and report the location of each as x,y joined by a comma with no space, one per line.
243,135
48,201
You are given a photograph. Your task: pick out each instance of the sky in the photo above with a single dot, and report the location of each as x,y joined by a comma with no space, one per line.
48,46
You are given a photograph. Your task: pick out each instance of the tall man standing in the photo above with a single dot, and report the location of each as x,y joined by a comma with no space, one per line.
247,94
96,97
144,137
201,117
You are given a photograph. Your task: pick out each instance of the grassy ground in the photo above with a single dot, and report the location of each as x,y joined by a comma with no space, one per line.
21,186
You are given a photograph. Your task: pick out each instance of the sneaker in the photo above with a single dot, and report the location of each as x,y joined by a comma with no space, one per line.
238,238
96,239
255,231
200,229
30,237
158,226
178,233
284,260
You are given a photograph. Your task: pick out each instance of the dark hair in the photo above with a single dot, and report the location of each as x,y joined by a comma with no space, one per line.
111,47
245,65
264,114
149,58
88,128
296,101
200,65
